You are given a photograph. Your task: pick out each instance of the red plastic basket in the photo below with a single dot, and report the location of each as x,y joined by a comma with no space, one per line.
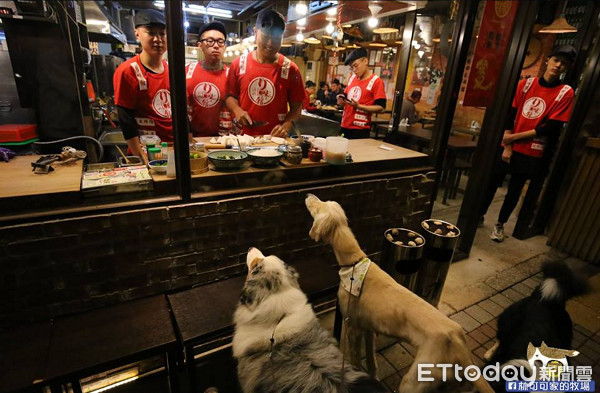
17,132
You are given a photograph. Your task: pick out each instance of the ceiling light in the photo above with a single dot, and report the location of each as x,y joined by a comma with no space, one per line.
560,25
301,22
286,45
332,11
385,28
186,24
301,8
374,8
312,40
329,29
327,36
237,52
300,36
194,52
420,53
347,26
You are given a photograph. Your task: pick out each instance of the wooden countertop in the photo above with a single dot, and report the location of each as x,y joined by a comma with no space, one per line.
362,151
18,179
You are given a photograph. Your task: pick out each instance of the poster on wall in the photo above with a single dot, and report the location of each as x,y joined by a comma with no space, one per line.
490,50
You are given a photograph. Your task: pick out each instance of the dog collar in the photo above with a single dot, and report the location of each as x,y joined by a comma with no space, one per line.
352,277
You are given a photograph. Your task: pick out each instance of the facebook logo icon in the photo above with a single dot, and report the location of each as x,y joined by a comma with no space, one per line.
511,386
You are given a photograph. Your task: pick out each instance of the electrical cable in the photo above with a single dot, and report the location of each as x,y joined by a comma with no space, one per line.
100,147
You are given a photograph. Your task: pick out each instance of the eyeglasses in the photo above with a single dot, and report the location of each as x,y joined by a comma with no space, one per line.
211,42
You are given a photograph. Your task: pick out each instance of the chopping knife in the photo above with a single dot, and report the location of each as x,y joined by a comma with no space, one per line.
255,123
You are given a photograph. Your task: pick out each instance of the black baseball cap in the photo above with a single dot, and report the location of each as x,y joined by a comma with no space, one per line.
216,25
567,51
147,17
270,22
356,54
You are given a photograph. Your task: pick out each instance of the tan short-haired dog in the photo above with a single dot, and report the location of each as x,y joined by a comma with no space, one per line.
386,307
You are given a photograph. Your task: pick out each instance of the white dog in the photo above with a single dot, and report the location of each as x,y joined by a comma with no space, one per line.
278,342
385,307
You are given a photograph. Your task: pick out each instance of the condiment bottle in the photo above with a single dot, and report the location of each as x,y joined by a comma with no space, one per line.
315,154
171,163
199,147
294,155
164,150
154,153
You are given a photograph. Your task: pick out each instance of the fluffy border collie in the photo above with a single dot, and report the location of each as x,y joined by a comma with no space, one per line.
541,317
278,342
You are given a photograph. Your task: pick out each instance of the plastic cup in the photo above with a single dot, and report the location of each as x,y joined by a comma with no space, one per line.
335,150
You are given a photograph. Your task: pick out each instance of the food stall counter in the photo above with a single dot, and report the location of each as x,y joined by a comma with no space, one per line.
362,151
18,179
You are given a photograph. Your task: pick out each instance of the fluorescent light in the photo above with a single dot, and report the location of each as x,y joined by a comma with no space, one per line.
95,22
115,385
200,9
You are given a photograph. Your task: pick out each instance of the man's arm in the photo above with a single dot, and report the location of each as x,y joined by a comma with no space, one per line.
282,130
130,131
241,116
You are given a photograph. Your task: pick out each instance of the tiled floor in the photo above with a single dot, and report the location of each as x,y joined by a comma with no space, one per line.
495,276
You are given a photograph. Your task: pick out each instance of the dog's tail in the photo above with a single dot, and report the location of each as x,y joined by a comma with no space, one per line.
561,283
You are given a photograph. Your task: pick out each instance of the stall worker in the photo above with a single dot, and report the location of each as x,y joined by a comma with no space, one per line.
365,94
141,84
309,97
262,83
540,108
206,83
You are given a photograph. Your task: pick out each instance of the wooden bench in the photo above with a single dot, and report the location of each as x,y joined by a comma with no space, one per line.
69,349
204,315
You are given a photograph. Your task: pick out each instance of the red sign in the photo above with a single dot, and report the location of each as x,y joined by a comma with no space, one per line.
490,50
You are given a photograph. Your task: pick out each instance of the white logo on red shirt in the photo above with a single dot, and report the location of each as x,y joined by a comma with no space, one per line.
161,103
355,93
261,91
206,94
533,108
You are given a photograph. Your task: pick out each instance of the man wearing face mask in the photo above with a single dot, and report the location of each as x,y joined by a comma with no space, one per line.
365,95
262,83
540,108
141,84
206,83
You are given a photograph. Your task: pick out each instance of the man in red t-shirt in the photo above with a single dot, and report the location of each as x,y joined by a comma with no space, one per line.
365,94
262,83
206,83
311,89
141,84
540,108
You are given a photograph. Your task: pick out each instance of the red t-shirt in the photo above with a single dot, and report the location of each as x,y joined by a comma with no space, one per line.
536,104
147,94
306,102
206,92
365,92
264,90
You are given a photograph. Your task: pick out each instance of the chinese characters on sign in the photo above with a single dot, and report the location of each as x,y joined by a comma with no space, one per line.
488,60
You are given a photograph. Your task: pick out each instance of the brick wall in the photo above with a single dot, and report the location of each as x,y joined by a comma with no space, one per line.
60,267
